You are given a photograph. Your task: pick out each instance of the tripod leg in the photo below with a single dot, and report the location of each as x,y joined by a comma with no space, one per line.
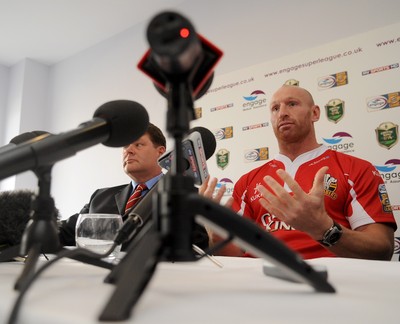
134,273
29,268
9,253
92,261
258,242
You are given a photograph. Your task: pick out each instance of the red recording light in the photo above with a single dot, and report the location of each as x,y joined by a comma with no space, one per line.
184,32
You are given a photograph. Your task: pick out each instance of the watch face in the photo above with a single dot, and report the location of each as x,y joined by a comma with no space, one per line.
334,237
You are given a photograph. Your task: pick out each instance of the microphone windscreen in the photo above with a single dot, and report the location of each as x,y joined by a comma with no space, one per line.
128,120
208,139
15,210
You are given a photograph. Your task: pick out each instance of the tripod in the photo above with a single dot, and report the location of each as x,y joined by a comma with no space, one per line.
41,234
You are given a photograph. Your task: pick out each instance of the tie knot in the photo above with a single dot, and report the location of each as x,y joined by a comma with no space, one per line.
141,187
135,197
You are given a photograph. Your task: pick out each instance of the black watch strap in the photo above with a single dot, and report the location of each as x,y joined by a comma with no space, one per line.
332,235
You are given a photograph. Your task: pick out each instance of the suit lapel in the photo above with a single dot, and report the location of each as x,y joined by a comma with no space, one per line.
122,197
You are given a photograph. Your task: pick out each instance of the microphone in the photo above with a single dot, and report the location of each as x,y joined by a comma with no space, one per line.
198,146
177,52
115,123
22,138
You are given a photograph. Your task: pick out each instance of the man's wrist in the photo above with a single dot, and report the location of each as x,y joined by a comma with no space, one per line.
332,235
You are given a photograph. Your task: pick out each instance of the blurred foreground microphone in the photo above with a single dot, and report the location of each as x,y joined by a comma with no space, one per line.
115,123
24,137
15,212
177,53
198,146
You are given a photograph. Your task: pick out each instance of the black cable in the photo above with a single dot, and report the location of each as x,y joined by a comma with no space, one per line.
130,226
64,254
220,245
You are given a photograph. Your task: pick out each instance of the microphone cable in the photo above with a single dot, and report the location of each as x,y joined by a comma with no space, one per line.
63,254
129,227
127,230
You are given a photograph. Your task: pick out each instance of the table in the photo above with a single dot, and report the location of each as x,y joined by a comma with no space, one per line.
201,292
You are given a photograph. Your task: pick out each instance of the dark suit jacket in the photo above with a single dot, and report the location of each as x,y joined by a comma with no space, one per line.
112,201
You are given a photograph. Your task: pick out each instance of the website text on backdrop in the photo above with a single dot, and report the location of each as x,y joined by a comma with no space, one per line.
167,237
320,202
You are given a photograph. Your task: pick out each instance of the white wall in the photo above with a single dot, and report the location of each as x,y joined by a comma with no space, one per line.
79,86
24,110
4,80
249,33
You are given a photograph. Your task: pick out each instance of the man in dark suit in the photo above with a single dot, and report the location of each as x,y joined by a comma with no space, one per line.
140,163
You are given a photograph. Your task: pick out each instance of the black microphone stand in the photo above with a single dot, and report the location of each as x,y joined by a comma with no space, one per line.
41,233
168,235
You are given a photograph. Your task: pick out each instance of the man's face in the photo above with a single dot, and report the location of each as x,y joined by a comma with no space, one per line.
292,114
140,158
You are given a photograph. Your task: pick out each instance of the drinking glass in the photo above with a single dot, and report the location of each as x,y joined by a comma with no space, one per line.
96,232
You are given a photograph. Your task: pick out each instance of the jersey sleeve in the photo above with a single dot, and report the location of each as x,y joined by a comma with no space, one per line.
368,198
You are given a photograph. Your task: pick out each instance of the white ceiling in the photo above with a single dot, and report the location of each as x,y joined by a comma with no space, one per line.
50,31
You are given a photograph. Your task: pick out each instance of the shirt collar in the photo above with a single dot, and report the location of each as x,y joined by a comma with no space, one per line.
149,183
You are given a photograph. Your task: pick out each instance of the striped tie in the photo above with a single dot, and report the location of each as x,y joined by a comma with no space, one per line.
133,199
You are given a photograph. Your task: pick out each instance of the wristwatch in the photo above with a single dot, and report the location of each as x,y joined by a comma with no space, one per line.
332,235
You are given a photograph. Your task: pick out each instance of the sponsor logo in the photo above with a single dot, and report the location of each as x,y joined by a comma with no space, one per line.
250,127
397,245
385,101
376,103
326,82
394,99
222,158
198,112
333,80
390,171
223,133
387,134
334,110
258,154
256,194
330,186
272,223
380,69
255,100
229,185
292,82
340,142
384,197
230,105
